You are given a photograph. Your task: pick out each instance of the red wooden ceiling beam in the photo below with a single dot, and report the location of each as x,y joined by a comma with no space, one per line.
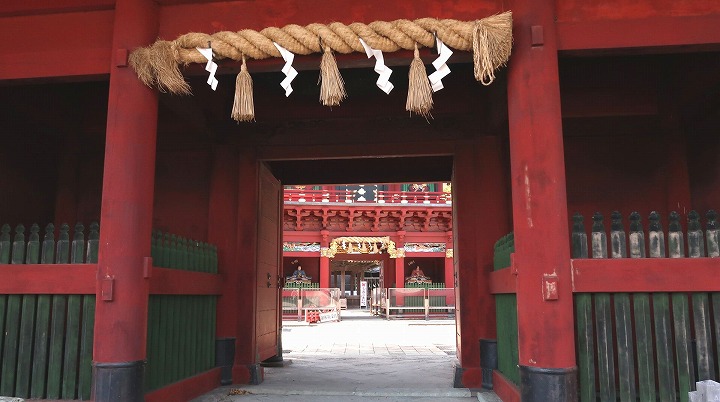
700,31
56,45
35,7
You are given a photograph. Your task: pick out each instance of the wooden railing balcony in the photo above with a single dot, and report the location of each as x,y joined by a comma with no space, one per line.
292,196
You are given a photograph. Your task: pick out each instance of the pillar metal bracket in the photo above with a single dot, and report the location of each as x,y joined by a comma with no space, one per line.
536,35
106,288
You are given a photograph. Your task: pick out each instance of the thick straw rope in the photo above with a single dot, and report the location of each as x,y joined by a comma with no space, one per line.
489,38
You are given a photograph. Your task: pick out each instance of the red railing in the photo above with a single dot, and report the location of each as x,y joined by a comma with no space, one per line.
383,197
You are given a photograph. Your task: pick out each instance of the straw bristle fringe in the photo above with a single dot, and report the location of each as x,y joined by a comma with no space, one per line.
492,45
419,99
332,88
243,105
168,77
139,60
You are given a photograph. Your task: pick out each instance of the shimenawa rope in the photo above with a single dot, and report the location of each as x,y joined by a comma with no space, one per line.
490,40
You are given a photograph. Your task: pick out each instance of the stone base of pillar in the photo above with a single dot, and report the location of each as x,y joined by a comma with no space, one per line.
224,358
257,373
488,361
118,382
544,384
457,377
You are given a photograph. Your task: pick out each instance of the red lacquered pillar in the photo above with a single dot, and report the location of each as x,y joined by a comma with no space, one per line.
222,231
400,261
247,368
324,261
449,276
548,370
126,216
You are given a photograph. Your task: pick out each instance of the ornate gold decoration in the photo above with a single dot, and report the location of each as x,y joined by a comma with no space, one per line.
362,245
449,253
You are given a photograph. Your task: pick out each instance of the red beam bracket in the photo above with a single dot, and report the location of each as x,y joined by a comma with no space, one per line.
147,267
106,288
536,34
550,287
121,57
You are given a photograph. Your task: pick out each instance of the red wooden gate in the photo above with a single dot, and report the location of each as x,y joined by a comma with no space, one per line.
269,268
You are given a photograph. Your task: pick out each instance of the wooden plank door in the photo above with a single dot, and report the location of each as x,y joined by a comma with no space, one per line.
269,266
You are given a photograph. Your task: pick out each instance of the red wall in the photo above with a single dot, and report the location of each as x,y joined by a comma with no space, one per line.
622,172
182,185
704,167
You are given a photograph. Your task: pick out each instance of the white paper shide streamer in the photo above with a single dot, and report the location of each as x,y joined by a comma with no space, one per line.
210,67
443,70
384,71
289,71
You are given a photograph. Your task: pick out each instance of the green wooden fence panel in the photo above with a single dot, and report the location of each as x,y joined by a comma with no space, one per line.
178,329
507,336
153,341
663,345
3,310
62,256
10,352
5,244
86,347
703,336
683,345
644,347
57,342
18,246
25,346
181,338
72,344
93,243
41,345
625,347
47,255
211,326
716,319
586,346
606,361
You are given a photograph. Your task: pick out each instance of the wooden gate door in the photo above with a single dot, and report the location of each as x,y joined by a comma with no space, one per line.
269,266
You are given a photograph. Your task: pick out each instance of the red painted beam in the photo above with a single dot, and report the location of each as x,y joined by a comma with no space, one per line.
505,390
351,151
421,254
32,7
187,389
234,16
66,279
503,281
168,281
56,45
301,254
645,275
701,30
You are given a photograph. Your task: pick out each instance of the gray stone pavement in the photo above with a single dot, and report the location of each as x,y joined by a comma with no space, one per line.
361,358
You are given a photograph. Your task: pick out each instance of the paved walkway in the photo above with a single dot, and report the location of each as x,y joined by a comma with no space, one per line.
361,358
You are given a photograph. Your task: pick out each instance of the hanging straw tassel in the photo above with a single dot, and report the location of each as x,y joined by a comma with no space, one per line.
243,106
419,99
332,88
492,44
